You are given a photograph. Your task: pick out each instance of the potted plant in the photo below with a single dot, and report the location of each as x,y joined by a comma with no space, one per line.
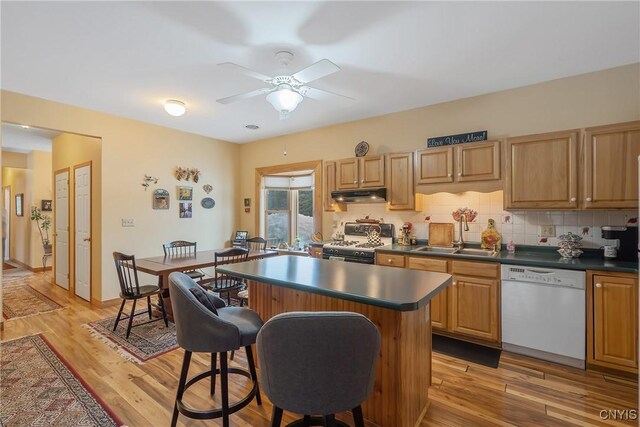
44,224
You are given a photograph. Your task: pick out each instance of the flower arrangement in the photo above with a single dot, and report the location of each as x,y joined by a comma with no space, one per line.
44,224
405,231
469,213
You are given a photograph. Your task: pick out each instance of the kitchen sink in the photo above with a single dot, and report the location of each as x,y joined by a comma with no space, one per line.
477,252
437,250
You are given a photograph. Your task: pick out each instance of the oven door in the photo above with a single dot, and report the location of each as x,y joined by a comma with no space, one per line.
350,258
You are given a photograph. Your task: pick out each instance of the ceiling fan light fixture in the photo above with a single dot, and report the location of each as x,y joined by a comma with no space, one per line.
284,100
174,107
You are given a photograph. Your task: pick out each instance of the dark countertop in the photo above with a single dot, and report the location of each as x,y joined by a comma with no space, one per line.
530,256
394,288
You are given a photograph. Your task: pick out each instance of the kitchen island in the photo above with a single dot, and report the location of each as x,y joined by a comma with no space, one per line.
396,300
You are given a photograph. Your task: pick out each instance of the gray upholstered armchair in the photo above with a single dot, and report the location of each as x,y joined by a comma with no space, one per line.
318,363
204,324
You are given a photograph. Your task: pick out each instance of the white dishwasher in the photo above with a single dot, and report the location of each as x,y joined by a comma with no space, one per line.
543,313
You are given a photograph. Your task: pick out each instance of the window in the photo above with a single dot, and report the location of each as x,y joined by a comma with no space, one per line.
289,207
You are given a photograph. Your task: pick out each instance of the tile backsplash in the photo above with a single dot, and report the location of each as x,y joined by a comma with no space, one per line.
521,227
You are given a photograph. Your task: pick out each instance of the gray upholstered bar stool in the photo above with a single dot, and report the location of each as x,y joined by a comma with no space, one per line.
204,324
318,363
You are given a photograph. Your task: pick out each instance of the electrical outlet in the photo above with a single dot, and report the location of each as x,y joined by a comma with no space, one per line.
547,231
128,222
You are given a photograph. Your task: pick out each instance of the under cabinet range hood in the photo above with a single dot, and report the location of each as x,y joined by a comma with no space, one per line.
361,195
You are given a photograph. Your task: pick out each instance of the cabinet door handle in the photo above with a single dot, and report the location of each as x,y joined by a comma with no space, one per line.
390,261
454,283
362,181
449,175
459,173
598,285
588,199
573,199
355,182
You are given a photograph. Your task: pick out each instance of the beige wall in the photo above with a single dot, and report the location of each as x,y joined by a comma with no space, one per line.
607,96
69,152
20,226
14,160
39,164
131,149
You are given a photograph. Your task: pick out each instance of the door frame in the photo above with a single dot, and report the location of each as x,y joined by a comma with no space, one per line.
73,238
72,286
7,205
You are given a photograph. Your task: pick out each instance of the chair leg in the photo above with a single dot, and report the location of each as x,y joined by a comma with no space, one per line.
214,367
252,369
328,420
164,312
149,306
233,352
183,380
276,416
133,311
357,416
119,314
306,420
224,376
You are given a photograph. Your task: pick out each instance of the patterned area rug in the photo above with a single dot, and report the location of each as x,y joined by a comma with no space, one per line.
145,342
39,388
20,300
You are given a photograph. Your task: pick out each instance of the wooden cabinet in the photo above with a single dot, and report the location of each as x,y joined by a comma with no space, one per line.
479,161
360,172
541,171
440,302
329,185
400,188
470,307
315,251
610,166
390,260
612,321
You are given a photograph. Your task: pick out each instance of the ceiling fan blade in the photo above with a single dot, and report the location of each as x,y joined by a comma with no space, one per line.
321,95
234,98
246,71
320,69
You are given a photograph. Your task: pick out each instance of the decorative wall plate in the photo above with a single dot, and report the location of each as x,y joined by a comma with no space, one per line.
208,203
362,149
207,188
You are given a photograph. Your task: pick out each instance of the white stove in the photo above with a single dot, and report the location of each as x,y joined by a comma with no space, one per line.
356,246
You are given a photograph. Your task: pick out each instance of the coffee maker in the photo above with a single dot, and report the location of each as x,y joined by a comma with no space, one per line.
627,241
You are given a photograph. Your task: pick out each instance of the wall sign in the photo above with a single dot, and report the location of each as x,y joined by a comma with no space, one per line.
462,138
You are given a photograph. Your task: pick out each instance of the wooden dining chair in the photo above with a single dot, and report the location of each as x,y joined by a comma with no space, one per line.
183,248
225,284
257,244
130,289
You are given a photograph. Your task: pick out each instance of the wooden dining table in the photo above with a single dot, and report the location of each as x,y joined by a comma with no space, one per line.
162,266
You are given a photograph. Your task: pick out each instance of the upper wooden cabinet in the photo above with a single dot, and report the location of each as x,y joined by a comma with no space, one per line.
478,161
329,185
360,172
541,171
400,188
610,166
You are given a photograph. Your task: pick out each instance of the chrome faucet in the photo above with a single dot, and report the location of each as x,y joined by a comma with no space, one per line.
460,242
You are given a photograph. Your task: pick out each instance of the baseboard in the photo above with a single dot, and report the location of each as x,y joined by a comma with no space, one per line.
28,267
104,304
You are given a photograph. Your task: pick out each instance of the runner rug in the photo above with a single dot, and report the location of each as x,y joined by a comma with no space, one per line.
145,341
39,388
20,300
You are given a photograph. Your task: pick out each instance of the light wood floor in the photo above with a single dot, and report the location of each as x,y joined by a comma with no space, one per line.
522,391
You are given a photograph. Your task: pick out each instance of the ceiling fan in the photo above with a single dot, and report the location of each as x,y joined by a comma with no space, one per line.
286,92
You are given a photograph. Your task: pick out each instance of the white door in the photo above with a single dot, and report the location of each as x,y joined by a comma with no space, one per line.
82,235
6,222
61,233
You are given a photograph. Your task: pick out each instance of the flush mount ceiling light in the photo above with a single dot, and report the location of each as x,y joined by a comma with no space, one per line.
285,92
24,126
174,107
252,127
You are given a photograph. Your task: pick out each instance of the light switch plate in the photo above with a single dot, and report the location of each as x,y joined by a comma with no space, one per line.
128,222
547,231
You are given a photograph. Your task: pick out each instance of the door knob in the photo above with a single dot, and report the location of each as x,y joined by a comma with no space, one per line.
598,285
573,199
87,239
588,199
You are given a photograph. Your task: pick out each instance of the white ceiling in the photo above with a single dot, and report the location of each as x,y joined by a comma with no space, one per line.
126,58
15,138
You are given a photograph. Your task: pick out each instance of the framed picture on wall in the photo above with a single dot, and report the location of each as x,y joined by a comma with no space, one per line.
185,193
45,205
161,199
19,200
186,210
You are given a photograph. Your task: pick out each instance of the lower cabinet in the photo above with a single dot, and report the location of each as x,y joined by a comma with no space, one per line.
315,251
469,308
612,321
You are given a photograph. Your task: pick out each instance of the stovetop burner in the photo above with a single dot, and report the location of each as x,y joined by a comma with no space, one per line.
344,243
369,245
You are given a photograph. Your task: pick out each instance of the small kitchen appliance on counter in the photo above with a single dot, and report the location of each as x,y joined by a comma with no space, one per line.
360,241
627,246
